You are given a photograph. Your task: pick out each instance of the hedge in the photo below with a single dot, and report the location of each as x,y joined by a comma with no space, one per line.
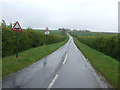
28,38
107,44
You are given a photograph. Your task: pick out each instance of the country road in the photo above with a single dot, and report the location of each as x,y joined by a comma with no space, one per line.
64,68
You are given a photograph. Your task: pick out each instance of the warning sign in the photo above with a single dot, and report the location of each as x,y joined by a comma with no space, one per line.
17,27
47,31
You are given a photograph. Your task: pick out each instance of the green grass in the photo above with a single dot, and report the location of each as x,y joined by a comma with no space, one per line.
56,32
12,64
104,64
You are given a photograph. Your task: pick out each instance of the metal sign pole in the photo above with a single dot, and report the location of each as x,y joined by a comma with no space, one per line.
17,44
17,28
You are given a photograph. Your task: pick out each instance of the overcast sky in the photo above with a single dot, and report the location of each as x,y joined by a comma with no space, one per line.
95,15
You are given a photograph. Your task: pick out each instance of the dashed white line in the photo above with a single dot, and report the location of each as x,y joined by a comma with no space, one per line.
53,81
65,59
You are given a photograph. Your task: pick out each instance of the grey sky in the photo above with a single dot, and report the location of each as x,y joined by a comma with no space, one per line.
95,15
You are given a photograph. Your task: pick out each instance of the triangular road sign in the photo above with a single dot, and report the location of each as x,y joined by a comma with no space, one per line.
17,27
47,29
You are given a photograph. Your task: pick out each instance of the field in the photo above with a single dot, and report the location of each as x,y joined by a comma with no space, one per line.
51,31
83,33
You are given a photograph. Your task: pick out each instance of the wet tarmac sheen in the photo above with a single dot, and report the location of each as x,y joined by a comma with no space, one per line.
64,68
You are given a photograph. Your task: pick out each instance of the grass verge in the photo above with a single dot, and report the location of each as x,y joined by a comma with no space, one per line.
104,64
11,64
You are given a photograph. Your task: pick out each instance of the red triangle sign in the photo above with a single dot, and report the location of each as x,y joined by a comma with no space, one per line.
47,29
17,27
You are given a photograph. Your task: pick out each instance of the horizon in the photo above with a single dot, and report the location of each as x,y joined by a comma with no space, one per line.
64,28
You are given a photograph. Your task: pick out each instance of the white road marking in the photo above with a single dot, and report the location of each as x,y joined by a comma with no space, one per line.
53,81
65,59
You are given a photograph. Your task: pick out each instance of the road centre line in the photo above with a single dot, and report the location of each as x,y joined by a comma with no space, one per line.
52,83
65,59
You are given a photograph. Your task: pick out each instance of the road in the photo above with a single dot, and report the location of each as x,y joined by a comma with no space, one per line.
64,68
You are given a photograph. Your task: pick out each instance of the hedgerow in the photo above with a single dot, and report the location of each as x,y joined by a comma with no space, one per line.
28,38
107,44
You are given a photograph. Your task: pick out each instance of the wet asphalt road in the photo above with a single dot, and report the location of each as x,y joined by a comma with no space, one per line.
64,68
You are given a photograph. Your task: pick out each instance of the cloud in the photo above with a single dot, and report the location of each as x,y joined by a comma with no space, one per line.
97,15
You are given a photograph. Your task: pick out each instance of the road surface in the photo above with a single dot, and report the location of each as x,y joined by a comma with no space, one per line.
64,68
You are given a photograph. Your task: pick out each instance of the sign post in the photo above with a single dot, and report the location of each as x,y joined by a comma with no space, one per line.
17,44
17,28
